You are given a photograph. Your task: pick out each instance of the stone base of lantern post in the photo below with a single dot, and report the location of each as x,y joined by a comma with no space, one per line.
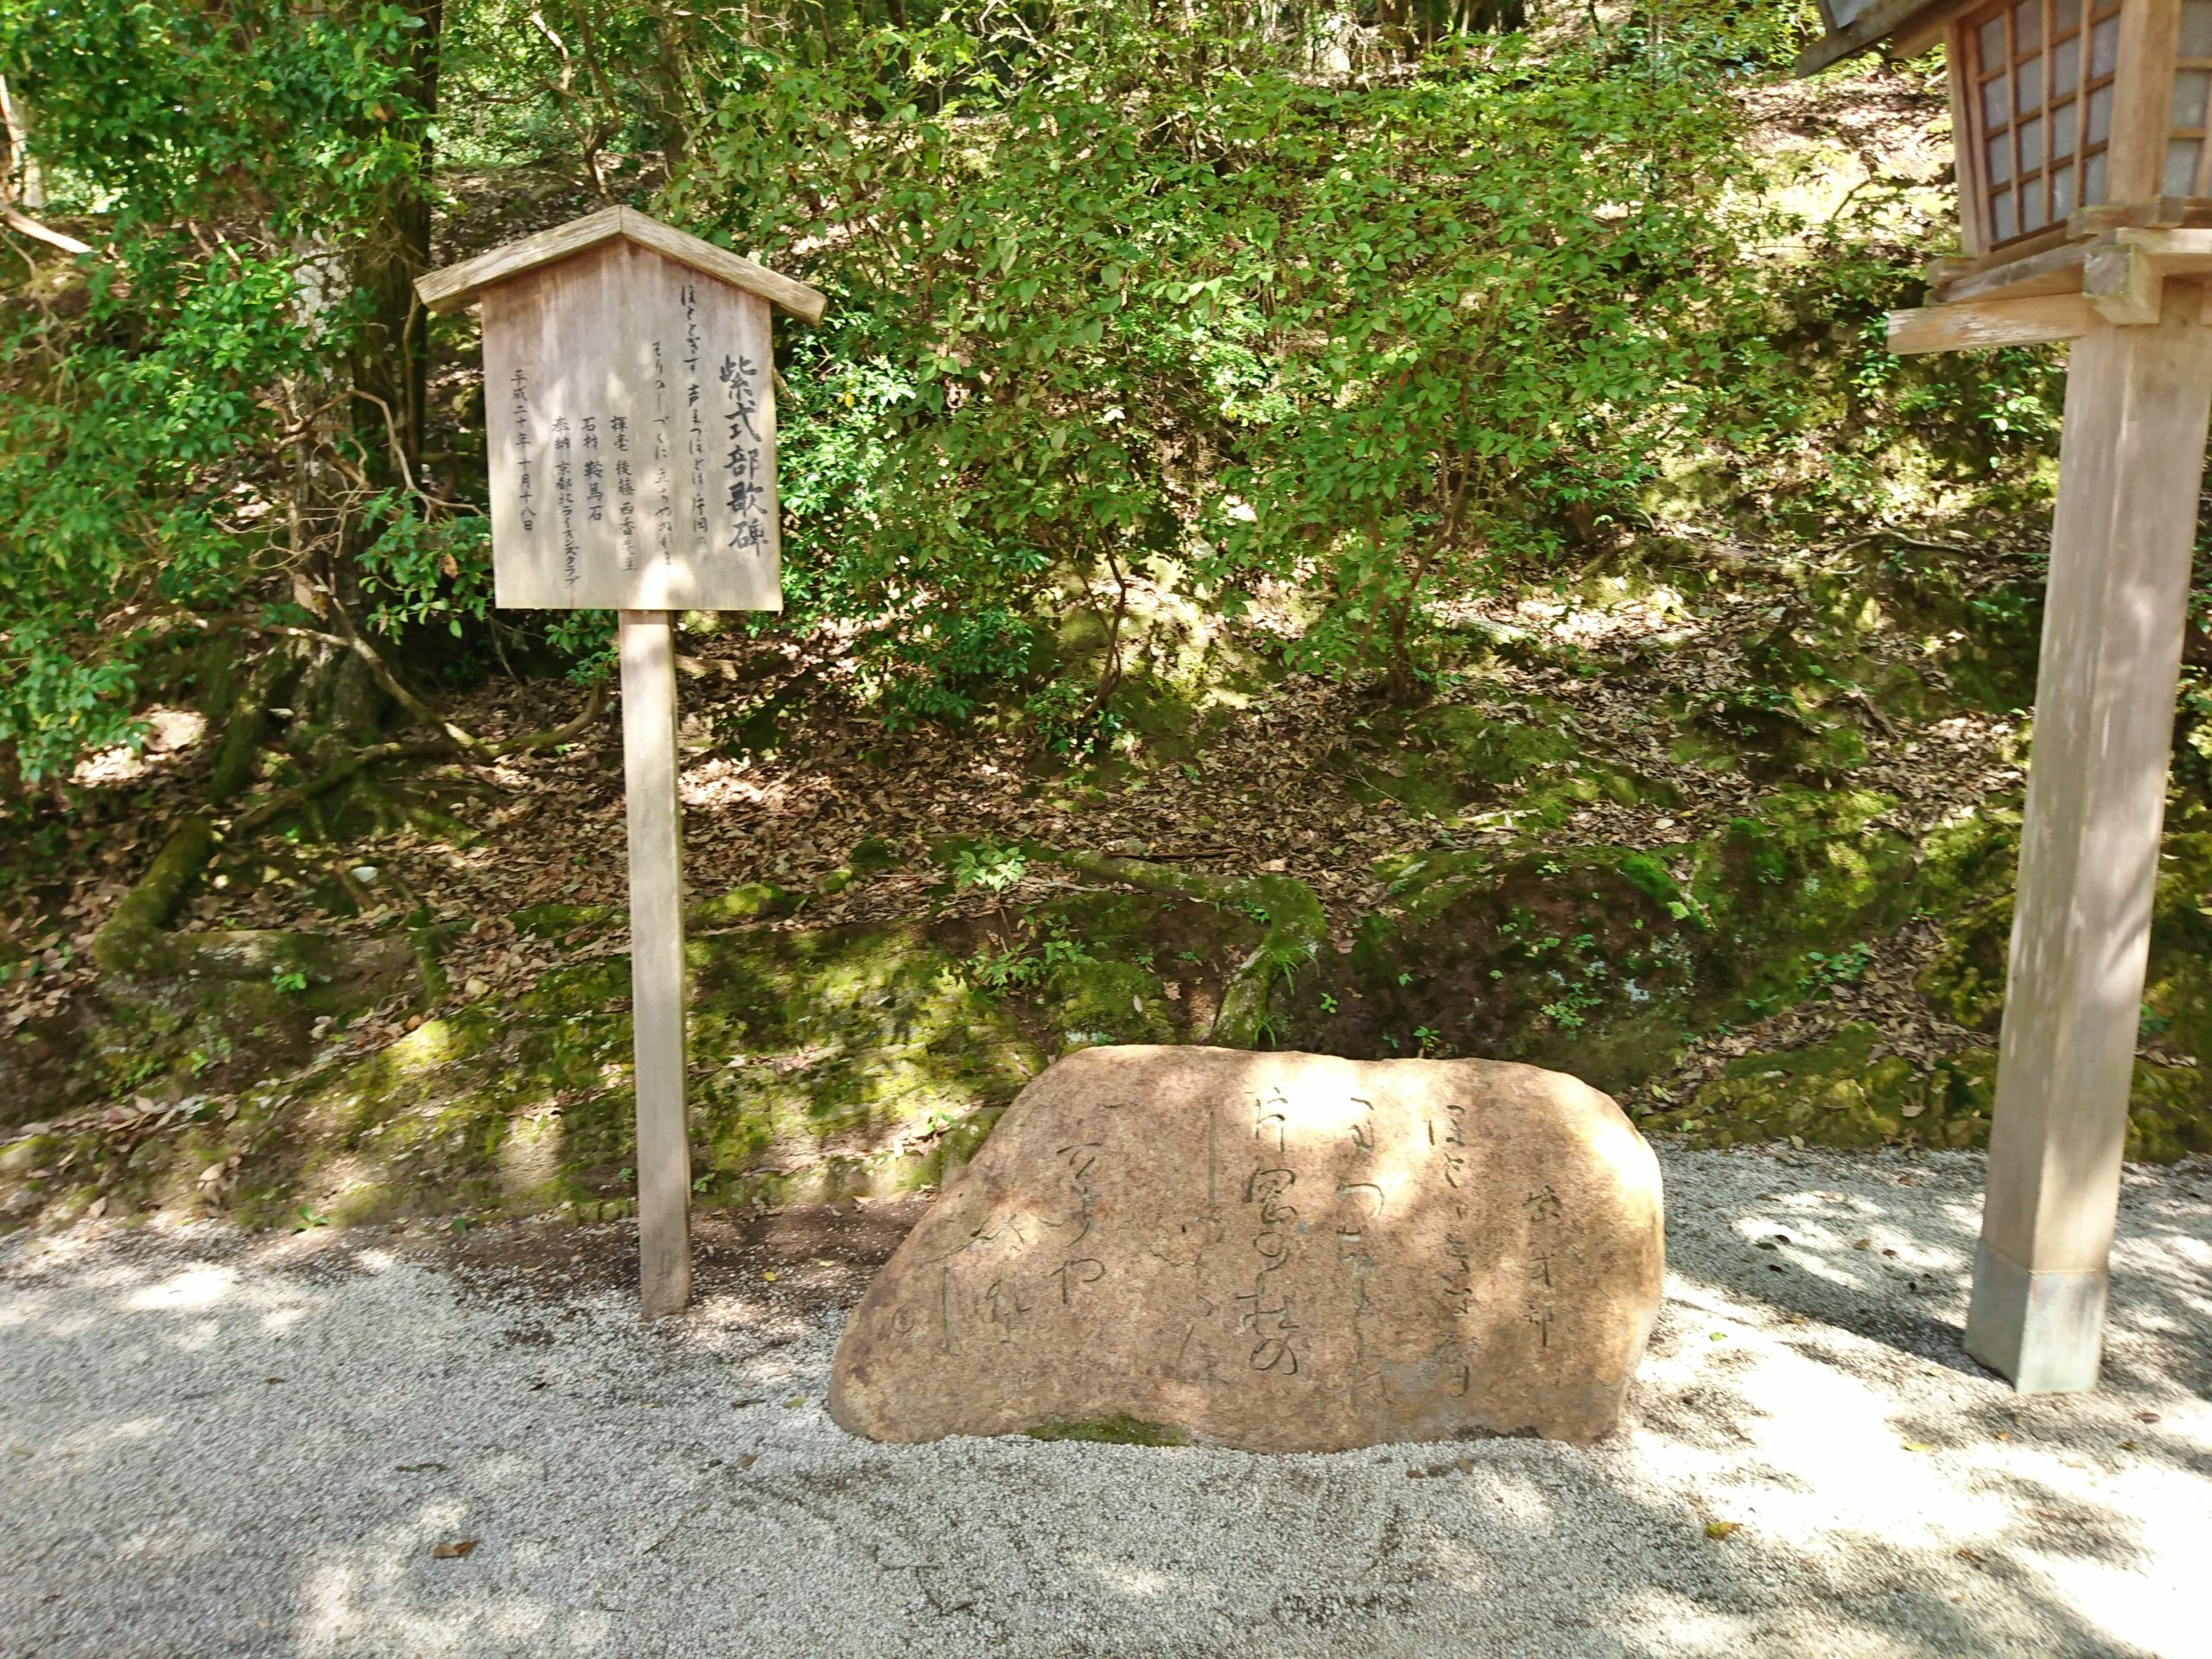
2137,402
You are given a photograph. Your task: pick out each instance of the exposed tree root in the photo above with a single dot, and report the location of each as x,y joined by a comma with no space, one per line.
135,942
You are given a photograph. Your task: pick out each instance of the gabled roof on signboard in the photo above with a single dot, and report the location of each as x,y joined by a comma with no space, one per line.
1856,26
460,285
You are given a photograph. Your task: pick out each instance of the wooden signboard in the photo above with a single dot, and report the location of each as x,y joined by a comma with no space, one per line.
629,395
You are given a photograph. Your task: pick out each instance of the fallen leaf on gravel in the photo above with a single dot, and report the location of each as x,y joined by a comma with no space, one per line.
747,1460
1720,1528
452,1552
416,1468
769,1277
1965,1554
795,1399
2129,1446
2146,1416
1862,1243
1918,1445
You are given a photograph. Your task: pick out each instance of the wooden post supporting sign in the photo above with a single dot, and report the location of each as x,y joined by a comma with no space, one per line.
629,392
647,643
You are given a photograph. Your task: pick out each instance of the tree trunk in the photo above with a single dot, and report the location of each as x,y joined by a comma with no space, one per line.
19,178
389,366
391,352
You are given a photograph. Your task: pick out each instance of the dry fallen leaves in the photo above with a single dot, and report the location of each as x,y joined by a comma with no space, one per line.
793,813
452,1552
1721,1529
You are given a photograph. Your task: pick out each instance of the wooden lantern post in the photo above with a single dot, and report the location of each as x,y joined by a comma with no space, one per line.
629,392
2085,187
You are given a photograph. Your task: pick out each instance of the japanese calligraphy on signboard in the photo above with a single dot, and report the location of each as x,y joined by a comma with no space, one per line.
633,457
630,415
630,411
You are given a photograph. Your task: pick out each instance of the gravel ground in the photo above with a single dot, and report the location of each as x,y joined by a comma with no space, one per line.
211,1444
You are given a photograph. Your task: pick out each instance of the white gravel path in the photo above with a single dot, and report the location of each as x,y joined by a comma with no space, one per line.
163,1492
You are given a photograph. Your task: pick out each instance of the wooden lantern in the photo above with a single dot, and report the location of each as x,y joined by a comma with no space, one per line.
2086,216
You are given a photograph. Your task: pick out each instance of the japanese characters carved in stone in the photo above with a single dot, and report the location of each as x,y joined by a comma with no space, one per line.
1281,1252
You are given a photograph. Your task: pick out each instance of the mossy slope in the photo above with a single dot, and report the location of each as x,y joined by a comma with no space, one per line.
843,1061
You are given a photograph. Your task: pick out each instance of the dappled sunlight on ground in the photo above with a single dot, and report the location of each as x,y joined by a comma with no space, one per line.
255,1447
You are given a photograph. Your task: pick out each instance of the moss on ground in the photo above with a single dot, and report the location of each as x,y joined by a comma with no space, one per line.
870,1060
1607,962
1120,1430
1845,1092
855,1060
2170,1105
1440,760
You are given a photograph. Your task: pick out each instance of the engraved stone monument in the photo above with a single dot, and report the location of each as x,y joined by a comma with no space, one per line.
629,389
1279,1252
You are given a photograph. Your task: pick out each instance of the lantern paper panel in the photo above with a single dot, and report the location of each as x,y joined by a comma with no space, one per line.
2186,159
2040,102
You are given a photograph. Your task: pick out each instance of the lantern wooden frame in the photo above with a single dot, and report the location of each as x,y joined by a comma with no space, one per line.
2129,83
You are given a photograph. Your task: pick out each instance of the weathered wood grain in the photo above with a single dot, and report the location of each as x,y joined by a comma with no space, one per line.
2055,270
2036,321
2142,81
463,284
646,643
2136,402
630,407
2124,283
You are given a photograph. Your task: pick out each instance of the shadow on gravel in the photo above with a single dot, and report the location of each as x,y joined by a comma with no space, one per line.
253,1448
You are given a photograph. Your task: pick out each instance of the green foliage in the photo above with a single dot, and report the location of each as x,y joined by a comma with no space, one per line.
1124,303
1021,968
417,571
117,480
237,157
1458,358
990,866
1141,313
1894,433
